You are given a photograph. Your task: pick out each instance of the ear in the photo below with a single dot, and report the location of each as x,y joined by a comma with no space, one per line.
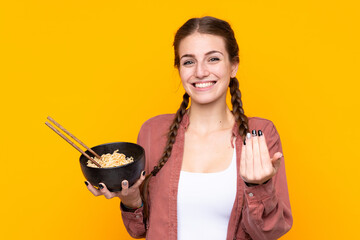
234,68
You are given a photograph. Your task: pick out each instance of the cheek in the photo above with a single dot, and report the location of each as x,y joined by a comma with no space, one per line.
185,74
221,71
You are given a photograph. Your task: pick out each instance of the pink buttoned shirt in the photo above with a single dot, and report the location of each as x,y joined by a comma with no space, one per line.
259,212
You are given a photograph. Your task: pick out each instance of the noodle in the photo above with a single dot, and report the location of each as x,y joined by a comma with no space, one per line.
111,160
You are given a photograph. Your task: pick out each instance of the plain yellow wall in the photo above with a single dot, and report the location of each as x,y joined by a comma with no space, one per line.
101,68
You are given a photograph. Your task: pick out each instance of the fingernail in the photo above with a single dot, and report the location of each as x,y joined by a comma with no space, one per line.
143,173
280,155
254,133
101,186
86,183
125,183
244,142
260,133
248,135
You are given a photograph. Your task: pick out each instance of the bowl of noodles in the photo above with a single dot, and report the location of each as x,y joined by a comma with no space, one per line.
119,161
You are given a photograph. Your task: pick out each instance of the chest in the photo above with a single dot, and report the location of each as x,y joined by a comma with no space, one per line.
207,153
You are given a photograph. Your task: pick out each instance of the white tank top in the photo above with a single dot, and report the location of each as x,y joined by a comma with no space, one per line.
204,203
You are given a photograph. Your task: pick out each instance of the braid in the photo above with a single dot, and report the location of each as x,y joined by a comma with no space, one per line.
238,111
167,151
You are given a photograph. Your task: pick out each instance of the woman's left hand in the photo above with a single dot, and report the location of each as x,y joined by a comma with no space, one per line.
256,166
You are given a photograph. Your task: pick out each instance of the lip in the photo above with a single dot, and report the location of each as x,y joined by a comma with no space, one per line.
203,88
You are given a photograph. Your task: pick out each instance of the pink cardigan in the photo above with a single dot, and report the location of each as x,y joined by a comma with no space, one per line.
260,212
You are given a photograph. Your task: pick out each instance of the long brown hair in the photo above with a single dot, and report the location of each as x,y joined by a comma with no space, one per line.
205,25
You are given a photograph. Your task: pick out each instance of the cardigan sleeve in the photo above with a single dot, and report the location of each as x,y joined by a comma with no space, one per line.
266,212
134,221
152,137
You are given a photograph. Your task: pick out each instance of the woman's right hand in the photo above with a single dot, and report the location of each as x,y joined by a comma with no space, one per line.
130,197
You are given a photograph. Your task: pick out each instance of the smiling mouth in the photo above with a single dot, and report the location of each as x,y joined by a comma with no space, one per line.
203,84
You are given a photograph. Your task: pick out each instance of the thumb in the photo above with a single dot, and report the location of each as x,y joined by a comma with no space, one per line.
276,159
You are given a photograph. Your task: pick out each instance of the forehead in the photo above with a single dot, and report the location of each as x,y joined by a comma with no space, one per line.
199,44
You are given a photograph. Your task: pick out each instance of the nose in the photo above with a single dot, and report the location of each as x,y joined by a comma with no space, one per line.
201,70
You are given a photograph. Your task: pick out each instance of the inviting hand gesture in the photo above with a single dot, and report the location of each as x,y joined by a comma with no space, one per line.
256,166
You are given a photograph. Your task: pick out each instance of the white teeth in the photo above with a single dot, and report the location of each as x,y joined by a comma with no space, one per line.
204,85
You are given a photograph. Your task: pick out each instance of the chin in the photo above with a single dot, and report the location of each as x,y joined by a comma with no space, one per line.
204,100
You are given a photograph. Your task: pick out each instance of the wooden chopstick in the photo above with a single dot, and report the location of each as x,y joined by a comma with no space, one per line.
72,144
68,133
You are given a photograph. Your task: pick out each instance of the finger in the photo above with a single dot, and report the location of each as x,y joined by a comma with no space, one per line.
276,160
249,157
105,191
92,189
242,161
125,187
277,155
139,181
256,156
264,153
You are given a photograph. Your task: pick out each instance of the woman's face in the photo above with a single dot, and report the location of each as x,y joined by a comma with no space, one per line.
205,68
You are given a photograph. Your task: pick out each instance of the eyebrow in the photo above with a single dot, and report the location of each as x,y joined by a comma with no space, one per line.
208,53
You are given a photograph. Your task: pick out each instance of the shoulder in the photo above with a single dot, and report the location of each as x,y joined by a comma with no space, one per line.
265,125
156,126
153,136
258,122
158,121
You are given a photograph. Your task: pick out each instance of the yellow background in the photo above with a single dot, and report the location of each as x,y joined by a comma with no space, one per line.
101,68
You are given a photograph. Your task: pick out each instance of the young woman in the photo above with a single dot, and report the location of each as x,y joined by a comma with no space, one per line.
214,173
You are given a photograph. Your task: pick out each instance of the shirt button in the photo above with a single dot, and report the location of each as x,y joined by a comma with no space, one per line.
251,194
137,216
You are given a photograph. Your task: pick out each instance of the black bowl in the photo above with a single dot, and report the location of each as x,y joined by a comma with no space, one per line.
112,177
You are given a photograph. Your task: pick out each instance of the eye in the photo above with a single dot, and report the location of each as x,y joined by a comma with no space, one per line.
214,59
187,62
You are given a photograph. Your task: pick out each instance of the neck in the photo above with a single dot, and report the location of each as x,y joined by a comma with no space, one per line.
210,117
